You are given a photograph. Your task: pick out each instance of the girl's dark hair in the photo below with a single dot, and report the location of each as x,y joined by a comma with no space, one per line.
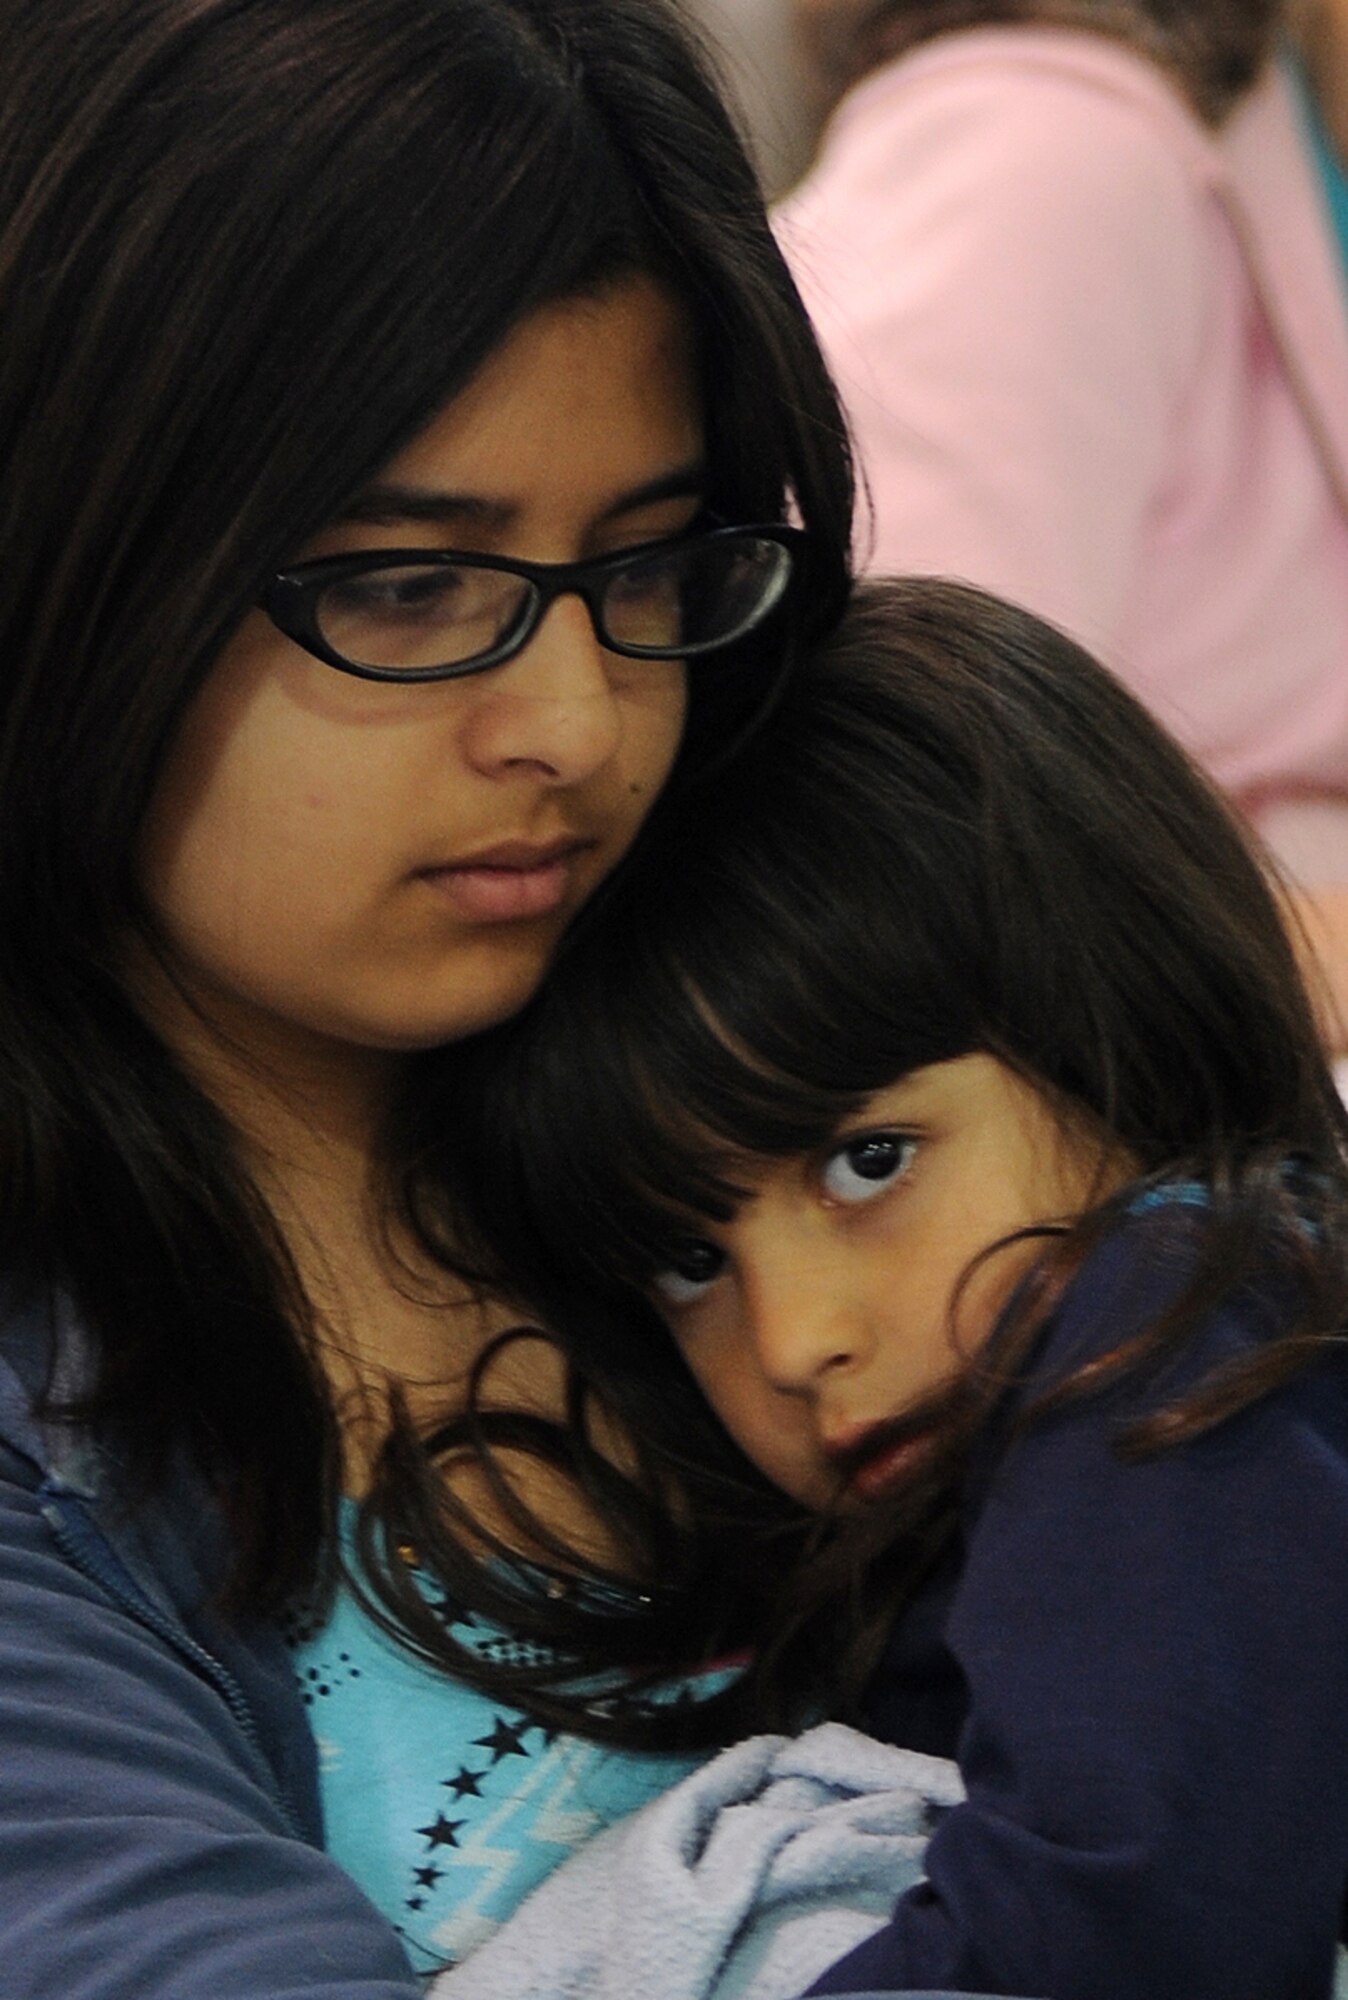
959,835
1214,49
247,249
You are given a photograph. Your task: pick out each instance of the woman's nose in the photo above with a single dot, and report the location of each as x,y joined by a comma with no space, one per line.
553,707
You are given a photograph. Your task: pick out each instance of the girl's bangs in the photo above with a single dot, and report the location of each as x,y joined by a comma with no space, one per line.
644,1111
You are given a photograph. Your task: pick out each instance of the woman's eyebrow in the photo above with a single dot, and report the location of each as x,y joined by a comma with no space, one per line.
386,502
683,483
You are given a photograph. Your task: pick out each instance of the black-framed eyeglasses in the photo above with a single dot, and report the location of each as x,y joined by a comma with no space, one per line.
434,614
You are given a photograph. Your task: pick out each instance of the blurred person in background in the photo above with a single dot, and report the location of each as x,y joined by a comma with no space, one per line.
1075,275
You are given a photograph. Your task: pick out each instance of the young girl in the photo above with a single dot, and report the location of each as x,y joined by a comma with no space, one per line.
400,401
1073,270
943,1105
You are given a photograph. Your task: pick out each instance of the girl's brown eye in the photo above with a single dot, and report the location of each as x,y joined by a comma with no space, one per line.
866,1164
692,1267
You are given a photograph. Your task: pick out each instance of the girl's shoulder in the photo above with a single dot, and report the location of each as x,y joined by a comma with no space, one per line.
1182,1291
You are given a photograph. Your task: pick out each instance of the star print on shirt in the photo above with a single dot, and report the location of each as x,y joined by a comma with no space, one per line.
451,1611
465,1783
504,1741
443,1833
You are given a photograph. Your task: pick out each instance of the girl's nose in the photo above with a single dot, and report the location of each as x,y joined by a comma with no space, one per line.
552,708
802,1317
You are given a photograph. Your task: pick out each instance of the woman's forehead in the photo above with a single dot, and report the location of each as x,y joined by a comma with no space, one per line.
617,369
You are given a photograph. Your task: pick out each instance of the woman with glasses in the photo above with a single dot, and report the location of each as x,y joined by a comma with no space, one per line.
402,405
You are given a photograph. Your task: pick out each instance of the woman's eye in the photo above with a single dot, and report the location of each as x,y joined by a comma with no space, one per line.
692,1268
395,593
866,1165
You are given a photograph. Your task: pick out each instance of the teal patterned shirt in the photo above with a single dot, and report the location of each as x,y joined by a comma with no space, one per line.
445,1806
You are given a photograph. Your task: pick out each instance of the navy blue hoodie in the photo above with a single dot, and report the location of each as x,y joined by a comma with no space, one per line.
1142,1669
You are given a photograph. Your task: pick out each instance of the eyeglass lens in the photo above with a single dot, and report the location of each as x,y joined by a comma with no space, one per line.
680,600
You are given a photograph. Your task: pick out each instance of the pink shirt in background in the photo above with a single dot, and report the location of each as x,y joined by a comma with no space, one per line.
1096,359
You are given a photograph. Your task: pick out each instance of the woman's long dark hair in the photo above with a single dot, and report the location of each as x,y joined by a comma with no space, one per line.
1213,49
247,249
959,835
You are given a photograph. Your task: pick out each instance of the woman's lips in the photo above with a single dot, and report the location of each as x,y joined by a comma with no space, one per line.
509,883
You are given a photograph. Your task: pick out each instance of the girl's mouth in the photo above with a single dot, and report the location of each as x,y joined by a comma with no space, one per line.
884,1455
878,1458
889,1465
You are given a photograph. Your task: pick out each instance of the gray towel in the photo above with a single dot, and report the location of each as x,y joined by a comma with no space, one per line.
744,1882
